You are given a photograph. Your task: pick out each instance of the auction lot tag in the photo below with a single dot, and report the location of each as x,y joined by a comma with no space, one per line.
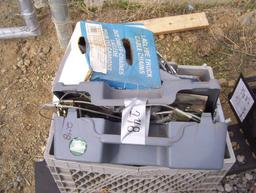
242,101
135,122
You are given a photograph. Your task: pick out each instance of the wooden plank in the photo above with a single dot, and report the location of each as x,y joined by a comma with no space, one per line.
179,2
176,23
99,3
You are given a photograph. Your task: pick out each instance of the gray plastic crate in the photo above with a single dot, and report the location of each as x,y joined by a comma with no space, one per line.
204,140
79,177
72,176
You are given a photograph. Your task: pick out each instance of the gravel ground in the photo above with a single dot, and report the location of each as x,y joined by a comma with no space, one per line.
239,183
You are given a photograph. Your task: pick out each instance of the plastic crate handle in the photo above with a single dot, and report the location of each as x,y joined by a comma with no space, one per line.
153,141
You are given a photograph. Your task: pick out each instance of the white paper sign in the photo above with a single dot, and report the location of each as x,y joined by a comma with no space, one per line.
135,122
242,100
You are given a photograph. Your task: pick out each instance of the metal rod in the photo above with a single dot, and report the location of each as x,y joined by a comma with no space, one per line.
60,17
32,25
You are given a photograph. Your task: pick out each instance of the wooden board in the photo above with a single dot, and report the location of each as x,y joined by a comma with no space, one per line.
176,23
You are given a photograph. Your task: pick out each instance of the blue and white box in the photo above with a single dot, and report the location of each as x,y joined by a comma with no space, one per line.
122,55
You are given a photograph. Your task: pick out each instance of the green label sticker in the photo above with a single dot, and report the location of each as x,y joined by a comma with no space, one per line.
77,146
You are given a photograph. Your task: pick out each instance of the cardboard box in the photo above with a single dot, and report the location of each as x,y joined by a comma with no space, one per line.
123,55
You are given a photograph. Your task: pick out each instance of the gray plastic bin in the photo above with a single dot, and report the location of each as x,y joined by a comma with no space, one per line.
85,177
174,145
201,145
115,167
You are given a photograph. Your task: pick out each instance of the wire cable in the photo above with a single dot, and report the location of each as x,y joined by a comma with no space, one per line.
88,110
83,102
41,113
189,115
163,112
58,105
68,93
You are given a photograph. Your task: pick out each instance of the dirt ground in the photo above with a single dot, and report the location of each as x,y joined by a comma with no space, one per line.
28,66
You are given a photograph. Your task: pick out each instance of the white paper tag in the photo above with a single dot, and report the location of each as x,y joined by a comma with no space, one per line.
135,122
241,100
98,48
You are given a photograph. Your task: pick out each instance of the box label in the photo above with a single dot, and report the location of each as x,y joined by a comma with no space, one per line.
98,48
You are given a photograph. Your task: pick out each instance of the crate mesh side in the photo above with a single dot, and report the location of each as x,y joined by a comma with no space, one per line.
183,181
77,177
